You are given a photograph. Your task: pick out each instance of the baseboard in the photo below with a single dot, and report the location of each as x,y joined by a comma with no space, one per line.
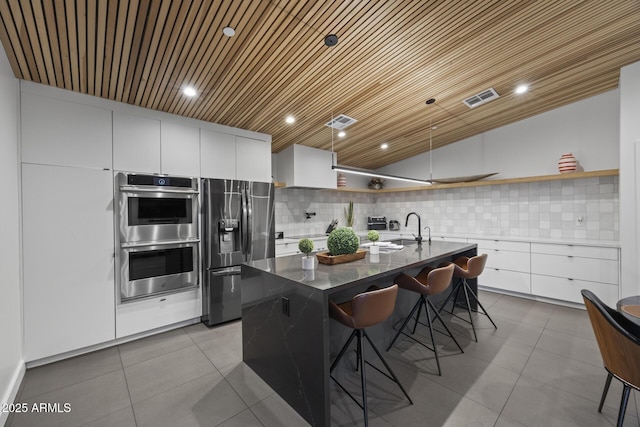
85,350
12,390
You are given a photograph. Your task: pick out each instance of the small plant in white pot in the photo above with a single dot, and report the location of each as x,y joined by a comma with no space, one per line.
373,237
306,247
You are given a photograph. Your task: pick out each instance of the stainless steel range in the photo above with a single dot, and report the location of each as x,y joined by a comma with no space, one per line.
157,223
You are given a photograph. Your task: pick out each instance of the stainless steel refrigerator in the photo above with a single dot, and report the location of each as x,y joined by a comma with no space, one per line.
238,226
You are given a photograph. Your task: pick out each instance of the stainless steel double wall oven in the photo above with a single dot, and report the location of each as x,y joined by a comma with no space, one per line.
157,235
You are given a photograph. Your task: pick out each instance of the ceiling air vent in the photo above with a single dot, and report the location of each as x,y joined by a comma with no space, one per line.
481,98
341,122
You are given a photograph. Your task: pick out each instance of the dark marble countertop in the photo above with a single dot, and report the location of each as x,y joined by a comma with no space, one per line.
332,278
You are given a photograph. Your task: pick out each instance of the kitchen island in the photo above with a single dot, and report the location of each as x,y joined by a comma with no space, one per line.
288,338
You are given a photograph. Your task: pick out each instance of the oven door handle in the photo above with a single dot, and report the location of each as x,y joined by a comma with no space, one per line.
132,189
162,243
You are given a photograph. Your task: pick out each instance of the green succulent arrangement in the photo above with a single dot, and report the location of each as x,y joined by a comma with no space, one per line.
305,246
373,236
343,241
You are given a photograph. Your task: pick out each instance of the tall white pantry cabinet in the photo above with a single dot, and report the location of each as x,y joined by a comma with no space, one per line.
67,211
71,146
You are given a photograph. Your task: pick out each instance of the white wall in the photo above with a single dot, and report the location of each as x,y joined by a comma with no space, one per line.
629,176
11,358
589,129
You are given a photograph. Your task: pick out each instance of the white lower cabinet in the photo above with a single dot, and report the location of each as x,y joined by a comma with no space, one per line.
508,265
514,281
566,289
68,248
145,315
561,271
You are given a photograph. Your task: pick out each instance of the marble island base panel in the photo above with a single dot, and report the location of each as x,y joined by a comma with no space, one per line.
288,338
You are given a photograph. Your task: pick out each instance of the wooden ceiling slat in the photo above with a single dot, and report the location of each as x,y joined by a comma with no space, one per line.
101,42
81,19
146,79
72,37
207,73
10,41
168,33
164,84
391,57
148,23
22,38
43,38
37,49
179,64
139,20
210,74
119,36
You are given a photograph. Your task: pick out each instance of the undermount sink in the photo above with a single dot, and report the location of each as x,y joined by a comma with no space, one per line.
403,242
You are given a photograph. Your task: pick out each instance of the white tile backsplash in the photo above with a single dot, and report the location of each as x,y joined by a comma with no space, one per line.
545,209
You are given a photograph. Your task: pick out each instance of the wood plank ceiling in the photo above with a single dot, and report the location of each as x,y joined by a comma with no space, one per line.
392,56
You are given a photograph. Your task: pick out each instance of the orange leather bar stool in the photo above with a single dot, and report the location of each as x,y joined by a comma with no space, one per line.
430,281
468,268
364,310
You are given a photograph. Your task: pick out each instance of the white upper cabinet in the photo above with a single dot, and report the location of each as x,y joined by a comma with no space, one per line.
300,166
56,132
136,143
180,149
253,159
217,155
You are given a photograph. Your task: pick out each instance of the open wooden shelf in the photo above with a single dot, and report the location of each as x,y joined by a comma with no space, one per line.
556,177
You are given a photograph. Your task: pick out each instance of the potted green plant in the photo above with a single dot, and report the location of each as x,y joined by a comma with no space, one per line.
348,214
306,247
343,246
373,237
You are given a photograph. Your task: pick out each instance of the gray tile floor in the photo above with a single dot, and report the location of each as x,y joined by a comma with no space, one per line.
541,367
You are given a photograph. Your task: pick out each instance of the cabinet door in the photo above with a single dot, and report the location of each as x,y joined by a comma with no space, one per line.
217,155
68,259
253,160
136,143
63,133
180,149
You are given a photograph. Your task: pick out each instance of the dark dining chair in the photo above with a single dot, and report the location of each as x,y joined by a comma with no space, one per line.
619,346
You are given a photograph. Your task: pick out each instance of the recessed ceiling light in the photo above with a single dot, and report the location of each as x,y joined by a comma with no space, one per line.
228,31
342,134
189,91
522,89
384,146
290,119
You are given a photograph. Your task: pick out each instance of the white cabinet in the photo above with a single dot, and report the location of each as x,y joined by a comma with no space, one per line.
561,271
253,160
300,166
508,265
56,132
136,143
145,315
228,156
180,149
69,300
286,247
217,155
146,145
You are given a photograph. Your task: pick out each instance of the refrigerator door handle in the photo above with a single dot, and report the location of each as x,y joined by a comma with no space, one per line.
249,221
225,271
244,238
